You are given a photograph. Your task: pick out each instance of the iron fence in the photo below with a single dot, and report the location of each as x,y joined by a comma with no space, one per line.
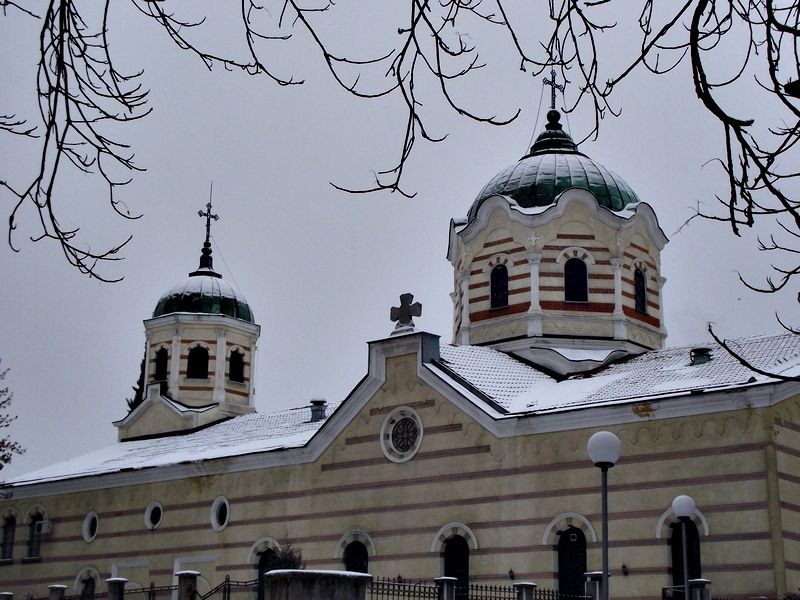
487,592
228,587
392,589
152,592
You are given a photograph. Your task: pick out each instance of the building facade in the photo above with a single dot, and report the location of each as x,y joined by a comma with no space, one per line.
465,459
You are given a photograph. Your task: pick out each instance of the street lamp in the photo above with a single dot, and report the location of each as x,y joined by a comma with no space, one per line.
683,507
604,450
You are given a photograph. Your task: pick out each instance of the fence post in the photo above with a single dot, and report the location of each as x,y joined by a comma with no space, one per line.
187,584
56,591
6,595
594,579
698,589
525,590
116,588
447,587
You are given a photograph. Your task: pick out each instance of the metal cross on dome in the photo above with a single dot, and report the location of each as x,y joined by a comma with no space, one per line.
403,314
208,216
553,87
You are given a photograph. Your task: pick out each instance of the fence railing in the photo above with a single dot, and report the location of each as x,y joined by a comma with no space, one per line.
224,590
391,589
152,592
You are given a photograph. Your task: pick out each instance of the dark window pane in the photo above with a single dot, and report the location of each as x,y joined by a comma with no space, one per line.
640,291
162,358
197,364
576,285
499,287
34,537
236,367
9,530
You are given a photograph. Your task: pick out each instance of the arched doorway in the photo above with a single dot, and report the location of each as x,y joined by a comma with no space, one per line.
267,561
571,562
693,562
456,564
356,557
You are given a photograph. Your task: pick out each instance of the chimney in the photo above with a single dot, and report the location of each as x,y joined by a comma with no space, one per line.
700,355
318,410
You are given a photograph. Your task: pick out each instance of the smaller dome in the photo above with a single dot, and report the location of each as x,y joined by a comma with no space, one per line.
205,292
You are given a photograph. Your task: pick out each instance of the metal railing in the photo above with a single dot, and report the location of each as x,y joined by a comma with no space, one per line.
391,589
224,590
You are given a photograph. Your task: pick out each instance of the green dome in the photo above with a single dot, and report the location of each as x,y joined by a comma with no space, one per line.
553,166
205,292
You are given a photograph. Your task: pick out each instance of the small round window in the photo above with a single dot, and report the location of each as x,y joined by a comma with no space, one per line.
220,513
153,515
401,434
90,524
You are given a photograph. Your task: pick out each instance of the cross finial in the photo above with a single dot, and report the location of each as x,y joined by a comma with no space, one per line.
208,215
553,87
205,258
403,314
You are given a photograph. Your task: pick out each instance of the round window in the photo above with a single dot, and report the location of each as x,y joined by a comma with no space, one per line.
90,523
220,513
401,434
153,515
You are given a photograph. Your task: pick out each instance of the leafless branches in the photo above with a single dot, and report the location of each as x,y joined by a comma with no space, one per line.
80,94
725,45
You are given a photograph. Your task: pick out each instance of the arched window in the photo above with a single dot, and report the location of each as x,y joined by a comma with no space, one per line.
576,284
640,291
356,557
87,588
499,287
9,530
162,359
197,363
456,564
692,551
267,561
236,367
571,562
35,536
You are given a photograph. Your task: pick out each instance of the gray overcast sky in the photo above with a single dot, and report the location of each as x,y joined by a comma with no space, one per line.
320,267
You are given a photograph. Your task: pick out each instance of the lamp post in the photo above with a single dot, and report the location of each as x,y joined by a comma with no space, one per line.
683,507
604,450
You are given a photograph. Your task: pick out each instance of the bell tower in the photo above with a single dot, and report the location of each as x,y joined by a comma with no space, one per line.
200,353
559,255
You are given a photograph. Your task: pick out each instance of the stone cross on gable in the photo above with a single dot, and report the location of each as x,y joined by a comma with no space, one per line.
403,314
208,216
553,87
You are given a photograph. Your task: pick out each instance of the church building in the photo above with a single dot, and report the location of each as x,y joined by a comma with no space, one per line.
465,459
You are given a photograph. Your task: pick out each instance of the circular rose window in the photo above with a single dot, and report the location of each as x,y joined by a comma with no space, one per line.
401,434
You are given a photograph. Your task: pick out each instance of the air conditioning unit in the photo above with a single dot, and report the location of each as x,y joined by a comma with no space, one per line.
43,527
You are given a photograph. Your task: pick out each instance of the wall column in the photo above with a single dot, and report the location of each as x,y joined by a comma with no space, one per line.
535,310
465,307
219,367
175,364
618,317
148,352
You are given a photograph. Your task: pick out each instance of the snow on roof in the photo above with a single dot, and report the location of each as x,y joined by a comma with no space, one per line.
246,434
512,386
518,387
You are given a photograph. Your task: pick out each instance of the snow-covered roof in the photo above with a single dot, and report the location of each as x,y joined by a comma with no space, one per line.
499,384
291,428
518,387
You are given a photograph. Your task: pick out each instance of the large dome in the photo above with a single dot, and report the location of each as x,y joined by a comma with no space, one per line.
553,166
204,291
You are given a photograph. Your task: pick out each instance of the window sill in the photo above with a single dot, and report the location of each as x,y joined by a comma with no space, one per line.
6,561
32,559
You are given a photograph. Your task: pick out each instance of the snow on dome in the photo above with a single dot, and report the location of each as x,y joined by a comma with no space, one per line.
553,166
204,291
